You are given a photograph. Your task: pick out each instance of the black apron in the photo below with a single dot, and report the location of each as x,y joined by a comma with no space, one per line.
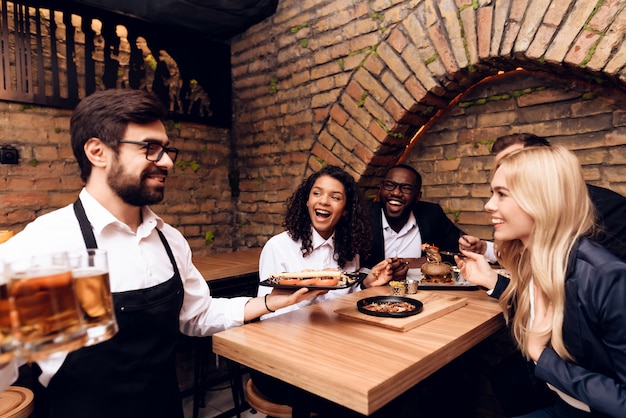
133,374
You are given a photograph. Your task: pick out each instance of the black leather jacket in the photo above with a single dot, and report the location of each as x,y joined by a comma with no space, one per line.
594,331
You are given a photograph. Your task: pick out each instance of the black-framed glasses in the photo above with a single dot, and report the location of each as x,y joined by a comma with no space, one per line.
405,188
154,150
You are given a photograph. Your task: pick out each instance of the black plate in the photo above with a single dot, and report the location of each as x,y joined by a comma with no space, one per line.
355,278
382,299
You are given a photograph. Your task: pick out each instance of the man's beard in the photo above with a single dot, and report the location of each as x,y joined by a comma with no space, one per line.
133,192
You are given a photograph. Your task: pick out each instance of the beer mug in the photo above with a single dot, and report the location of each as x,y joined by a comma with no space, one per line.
48,317
90,270
8,343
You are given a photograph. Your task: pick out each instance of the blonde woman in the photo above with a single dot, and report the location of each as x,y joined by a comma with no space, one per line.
566,299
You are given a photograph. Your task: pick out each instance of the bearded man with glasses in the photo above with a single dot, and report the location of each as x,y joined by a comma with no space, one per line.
124,155
401,223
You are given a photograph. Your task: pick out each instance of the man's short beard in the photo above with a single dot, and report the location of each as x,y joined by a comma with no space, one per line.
131,192
138,195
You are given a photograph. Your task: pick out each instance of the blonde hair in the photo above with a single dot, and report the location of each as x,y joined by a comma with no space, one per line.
547,183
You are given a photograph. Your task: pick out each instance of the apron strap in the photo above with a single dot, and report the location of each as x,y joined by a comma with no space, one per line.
169,252
85,225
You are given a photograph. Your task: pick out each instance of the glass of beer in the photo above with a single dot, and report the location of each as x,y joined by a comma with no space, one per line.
8,343
90,270
48,316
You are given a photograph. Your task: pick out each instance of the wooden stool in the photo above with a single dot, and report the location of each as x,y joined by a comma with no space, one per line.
260,403
16,402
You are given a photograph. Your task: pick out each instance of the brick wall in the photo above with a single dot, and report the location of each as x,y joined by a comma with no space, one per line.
364,85
355,83
454,156
197,201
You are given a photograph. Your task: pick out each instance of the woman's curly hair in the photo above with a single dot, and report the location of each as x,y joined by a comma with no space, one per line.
352,234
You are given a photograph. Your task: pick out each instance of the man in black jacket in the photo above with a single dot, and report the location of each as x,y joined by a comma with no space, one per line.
401,223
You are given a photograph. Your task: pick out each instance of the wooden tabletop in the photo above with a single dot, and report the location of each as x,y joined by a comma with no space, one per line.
358,365
225,265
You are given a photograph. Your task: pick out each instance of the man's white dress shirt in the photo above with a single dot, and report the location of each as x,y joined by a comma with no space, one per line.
136,261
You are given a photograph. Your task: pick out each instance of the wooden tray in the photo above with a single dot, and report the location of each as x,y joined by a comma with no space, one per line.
435,305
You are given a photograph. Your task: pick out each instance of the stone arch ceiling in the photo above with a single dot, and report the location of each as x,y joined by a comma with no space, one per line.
442,49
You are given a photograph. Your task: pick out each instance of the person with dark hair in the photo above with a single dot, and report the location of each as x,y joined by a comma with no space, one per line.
610,206
401,223
125,155
326,228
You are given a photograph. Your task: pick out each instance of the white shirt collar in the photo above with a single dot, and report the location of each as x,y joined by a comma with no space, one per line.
410,223
317,240
100,217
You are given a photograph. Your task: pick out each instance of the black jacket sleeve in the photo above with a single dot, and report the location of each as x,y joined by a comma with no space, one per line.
611,209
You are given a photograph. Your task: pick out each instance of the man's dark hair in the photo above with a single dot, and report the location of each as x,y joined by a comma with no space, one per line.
105,115
418,177
526,139
352,234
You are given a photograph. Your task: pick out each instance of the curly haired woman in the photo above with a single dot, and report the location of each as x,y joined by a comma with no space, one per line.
565,299
326,228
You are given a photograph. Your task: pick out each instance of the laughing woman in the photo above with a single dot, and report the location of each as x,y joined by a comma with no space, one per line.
326,228
565,298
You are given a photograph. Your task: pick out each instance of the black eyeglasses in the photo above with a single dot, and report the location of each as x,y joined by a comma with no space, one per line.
154,150
405,188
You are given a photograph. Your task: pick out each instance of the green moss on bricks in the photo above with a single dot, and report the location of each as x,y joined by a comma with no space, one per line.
321,161
498,97
591,51
456,214
26,107
273,88
361,101
432,58
470,68
299,27
387,130
170,125
379,17
209,237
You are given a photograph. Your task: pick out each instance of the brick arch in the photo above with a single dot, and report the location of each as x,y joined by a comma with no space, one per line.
440,50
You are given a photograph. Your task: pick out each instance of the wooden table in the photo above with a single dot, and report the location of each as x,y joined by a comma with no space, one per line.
358,365
228,265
